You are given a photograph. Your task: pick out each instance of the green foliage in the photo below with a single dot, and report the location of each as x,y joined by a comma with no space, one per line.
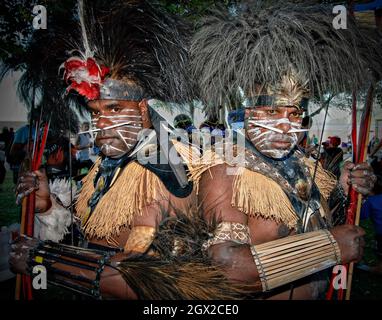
16,25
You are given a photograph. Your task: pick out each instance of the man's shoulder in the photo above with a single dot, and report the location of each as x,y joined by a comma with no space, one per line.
220,174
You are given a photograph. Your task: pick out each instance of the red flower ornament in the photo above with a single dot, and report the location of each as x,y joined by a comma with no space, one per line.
85,76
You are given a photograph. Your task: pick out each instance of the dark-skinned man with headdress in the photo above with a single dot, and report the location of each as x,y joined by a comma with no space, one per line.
274,228
134,53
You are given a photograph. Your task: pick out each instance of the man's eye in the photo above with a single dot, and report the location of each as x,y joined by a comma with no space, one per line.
271,112
95,113
296,114
115,109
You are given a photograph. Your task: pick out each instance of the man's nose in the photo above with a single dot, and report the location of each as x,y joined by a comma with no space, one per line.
284,126
103,123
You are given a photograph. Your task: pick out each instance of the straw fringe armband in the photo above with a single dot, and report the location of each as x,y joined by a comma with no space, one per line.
288,259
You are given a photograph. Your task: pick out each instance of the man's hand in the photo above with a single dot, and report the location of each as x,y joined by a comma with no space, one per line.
35,181
351,242
19,255
360,177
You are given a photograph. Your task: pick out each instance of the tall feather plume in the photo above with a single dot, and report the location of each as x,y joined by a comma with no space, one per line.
258,43
88,52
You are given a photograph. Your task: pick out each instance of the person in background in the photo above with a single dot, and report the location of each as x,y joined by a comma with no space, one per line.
372,209
83,145
2,167
372,144
184,122
314,140
57,155
18,149
333,156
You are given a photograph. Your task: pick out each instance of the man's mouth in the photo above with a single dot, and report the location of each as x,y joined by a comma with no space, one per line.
107,137
281,144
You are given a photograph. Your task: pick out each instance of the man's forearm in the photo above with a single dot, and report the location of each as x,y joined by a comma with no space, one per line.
274,263
289,259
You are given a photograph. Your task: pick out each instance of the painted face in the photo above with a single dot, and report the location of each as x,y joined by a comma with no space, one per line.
273,131
117,124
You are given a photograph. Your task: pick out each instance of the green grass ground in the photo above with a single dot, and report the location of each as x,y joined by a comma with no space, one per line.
365,285
9,212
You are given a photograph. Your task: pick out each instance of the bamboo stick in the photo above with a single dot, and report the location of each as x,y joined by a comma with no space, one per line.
293,251
296,245
295,238
276,269
298,274
296,257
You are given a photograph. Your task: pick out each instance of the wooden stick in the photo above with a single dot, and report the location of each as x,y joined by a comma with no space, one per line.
363,156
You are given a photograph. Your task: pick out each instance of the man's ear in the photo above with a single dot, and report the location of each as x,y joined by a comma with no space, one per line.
144,110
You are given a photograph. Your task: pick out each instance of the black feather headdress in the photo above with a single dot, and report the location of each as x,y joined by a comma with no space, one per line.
236,52
136,43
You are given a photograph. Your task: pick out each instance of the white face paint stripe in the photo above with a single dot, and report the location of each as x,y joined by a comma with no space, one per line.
124,120
270,124
131,139
119,116
263,144
297,130
275,122
109,127
132,127
261,135
124,140
127,110
108,146
138,126
268,127
128,138
130,131
117,121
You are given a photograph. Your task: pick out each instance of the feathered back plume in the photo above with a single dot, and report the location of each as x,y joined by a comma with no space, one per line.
258,44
